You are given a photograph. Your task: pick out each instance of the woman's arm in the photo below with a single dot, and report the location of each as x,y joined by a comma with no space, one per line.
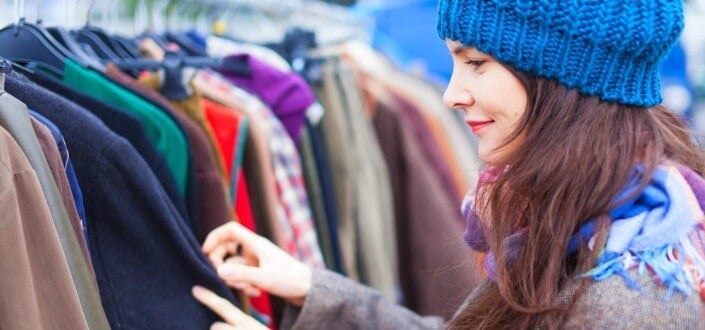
336,301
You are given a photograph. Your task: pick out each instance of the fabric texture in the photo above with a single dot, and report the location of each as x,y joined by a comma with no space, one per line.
206,196
256,169
610,304
333,129
659,228
430,147
428,224
192,107
194,181
260,197
125,125
327,190
76,193
160,129
315,198
145,257
228,125
229,129
338,302
35,280
14,117
294,212
609,48
51,152
374,210
287,94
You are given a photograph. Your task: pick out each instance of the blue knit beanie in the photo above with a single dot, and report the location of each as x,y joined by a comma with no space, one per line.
609,48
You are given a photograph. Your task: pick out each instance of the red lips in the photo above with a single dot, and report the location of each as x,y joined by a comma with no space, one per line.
476,126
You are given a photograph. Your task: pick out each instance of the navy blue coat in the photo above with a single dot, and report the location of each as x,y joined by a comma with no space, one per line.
125,125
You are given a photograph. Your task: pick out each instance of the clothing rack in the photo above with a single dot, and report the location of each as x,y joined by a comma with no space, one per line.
332,23
201,157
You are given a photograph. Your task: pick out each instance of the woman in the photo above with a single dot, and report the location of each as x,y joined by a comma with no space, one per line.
590,209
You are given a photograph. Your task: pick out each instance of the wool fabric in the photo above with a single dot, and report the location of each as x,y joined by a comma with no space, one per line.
609,48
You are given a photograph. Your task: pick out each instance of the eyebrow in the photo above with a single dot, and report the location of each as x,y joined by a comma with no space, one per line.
460,49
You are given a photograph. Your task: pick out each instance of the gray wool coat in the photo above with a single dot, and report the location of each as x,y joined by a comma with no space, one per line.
336,302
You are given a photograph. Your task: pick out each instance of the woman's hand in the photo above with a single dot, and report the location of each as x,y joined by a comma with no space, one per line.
251,263
234,317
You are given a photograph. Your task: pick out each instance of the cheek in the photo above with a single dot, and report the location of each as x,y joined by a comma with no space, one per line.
513,107
507,95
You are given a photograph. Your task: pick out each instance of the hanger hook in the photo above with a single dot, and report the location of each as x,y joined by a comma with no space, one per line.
39,16
113,14
19,11
88,12
104,13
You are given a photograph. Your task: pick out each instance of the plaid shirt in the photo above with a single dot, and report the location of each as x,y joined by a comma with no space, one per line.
293,212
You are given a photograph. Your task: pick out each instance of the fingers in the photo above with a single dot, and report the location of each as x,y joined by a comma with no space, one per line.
227,311
246,284
243,277
222,251
222,326
230,233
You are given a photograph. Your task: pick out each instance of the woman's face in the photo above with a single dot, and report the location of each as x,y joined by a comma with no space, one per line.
492,98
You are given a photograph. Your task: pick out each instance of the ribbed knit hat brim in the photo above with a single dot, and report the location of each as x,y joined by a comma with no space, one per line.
609,48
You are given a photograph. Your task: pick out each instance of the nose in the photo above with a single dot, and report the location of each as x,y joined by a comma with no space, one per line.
457,95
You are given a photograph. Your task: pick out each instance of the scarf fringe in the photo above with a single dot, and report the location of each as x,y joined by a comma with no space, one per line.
680,267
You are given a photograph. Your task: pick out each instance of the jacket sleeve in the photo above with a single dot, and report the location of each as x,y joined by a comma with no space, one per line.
338,302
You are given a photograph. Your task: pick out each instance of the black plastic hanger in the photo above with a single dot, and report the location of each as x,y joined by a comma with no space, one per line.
294,48
109,41
24,43
67,40
68,53
89,38
128,45
173,65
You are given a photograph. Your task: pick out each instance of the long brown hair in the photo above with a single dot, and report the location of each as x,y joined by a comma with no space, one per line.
574,156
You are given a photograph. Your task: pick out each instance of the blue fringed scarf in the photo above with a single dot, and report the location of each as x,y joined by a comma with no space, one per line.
660,229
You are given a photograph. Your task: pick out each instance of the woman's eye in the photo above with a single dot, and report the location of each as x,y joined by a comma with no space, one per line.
475,64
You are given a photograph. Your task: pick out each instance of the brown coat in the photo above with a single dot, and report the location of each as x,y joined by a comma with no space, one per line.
35,281
436,268
14,117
